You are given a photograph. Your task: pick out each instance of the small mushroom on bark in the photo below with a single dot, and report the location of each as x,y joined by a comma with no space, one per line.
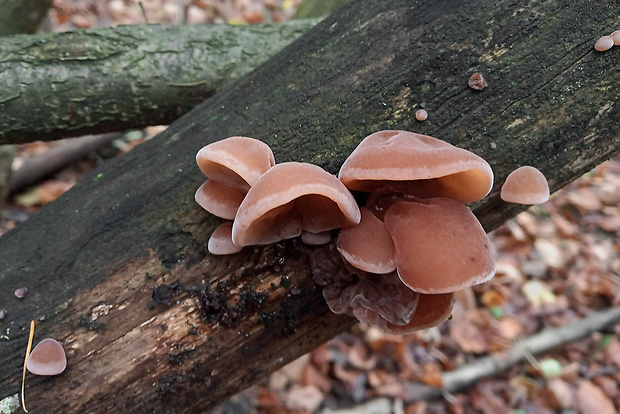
604,43
291,198
47,358
525,185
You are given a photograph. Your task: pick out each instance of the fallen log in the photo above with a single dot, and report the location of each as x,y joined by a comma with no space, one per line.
117,268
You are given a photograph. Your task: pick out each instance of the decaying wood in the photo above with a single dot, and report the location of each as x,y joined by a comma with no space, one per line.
105,80
93,258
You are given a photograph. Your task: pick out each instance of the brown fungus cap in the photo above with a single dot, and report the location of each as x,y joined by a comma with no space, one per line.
437,169
289,198
236,161
368,245
525,185
440,245
47,358
430,311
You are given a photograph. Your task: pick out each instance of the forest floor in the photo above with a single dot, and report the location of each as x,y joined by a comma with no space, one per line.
556,263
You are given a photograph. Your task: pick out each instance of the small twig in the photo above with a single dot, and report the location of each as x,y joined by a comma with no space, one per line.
471,373
146,19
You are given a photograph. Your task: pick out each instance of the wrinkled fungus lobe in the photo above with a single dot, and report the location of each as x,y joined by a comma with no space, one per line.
440,245
525,185
417,165
47,358
291,198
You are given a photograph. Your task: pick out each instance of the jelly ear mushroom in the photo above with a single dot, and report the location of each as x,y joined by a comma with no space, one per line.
237,162
368,245
220,242
47,358
440,245
219,199
525,185
291,198
422,166
430,311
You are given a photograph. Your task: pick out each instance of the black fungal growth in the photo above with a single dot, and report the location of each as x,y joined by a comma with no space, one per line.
217,308
162,294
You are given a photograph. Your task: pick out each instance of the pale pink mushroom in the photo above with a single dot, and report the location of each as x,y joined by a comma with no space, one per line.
417,165
47,358
525,185
604,43
368,245
291,198
232,165
220,242
616,37
219,199
237,162
421,115
440,245
316,239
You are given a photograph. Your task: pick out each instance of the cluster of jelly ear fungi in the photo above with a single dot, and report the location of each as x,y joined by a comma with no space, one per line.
402,255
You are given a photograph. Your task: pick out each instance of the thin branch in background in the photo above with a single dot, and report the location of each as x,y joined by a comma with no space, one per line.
146,19
181,15
473,372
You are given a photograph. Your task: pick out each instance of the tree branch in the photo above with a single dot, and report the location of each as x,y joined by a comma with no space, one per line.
103,80
544,341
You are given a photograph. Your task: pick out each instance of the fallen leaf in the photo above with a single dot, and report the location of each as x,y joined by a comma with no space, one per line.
592,400
431,375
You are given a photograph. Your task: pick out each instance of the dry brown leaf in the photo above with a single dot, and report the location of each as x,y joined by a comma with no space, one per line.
592,400
485,398
311,375
431,375
303,398
562,392
492,299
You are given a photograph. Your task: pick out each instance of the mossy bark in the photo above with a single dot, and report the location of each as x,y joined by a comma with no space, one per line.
92,258
23,16
102,80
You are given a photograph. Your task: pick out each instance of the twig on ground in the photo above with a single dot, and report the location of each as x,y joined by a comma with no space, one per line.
488,366
40,166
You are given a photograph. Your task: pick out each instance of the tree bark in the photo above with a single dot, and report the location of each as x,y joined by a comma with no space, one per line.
92,258
102,80
23,16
